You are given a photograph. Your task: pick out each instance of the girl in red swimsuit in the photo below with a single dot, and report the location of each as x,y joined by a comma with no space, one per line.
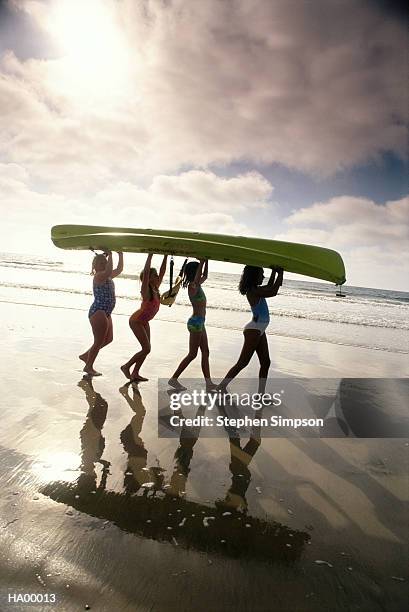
139,321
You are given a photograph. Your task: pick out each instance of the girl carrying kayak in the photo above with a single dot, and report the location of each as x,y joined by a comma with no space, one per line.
194,275
139,321
255,339
101,309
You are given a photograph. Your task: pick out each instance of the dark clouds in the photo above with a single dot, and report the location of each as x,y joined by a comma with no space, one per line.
398,9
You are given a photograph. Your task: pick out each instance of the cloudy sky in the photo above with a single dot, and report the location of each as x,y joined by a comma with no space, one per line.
278,118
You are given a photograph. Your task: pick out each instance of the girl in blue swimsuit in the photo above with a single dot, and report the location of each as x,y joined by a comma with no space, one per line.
194,275
100,312
255,331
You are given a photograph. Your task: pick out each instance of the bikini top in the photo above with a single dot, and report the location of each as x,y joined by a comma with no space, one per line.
199,296
260,311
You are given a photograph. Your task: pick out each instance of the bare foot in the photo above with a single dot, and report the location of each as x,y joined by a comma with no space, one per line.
91,372
173,382
138,378
211,386
124,390
125,371
83,357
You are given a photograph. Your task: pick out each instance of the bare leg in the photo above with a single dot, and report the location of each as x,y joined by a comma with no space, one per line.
146,349
194,343
100,326
107,340
109,336
265,362
142,333
204,348
251,340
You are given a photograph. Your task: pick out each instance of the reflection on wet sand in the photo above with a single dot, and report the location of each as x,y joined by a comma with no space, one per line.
241,475
154,509
137,474
92,440
183,456
240,458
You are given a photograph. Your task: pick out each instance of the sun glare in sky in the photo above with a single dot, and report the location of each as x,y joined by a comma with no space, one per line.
93,49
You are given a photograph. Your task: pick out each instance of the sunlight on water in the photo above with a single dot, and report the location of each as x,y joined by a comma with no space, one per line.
57,466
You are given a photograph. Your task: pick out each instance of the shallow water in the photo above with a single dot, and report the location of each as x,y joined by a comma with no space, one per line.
371,318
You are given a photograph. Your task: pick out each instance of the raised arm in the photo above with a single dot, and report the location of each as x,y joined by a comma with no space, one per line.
120,265
205,271
198,276
273,285
101,277
163,268
146,277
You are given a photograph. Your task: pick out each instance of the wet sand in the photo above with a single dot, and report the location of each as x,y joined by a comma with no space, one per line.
98,510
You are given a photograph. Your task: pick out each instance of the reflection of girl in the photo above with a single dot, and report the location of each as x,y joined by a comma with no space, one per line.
139,321
102,307
255,331
241,475
92,440
137,473
194,275
183,456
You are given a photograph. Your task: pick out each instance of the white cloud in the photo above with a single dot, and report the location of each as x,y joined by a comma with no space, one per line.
373,239
198,201
353,221
204,190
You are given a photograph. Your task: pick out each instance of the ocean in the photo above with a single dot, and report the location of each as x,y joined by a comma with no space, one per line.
377,319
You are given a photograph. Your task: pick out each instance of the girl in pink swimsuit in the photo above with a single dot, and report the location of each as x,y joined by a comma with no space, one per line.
139,320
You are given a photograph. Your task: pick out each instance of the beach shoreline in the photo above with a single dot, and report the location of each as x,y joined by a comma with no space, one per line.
343,500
